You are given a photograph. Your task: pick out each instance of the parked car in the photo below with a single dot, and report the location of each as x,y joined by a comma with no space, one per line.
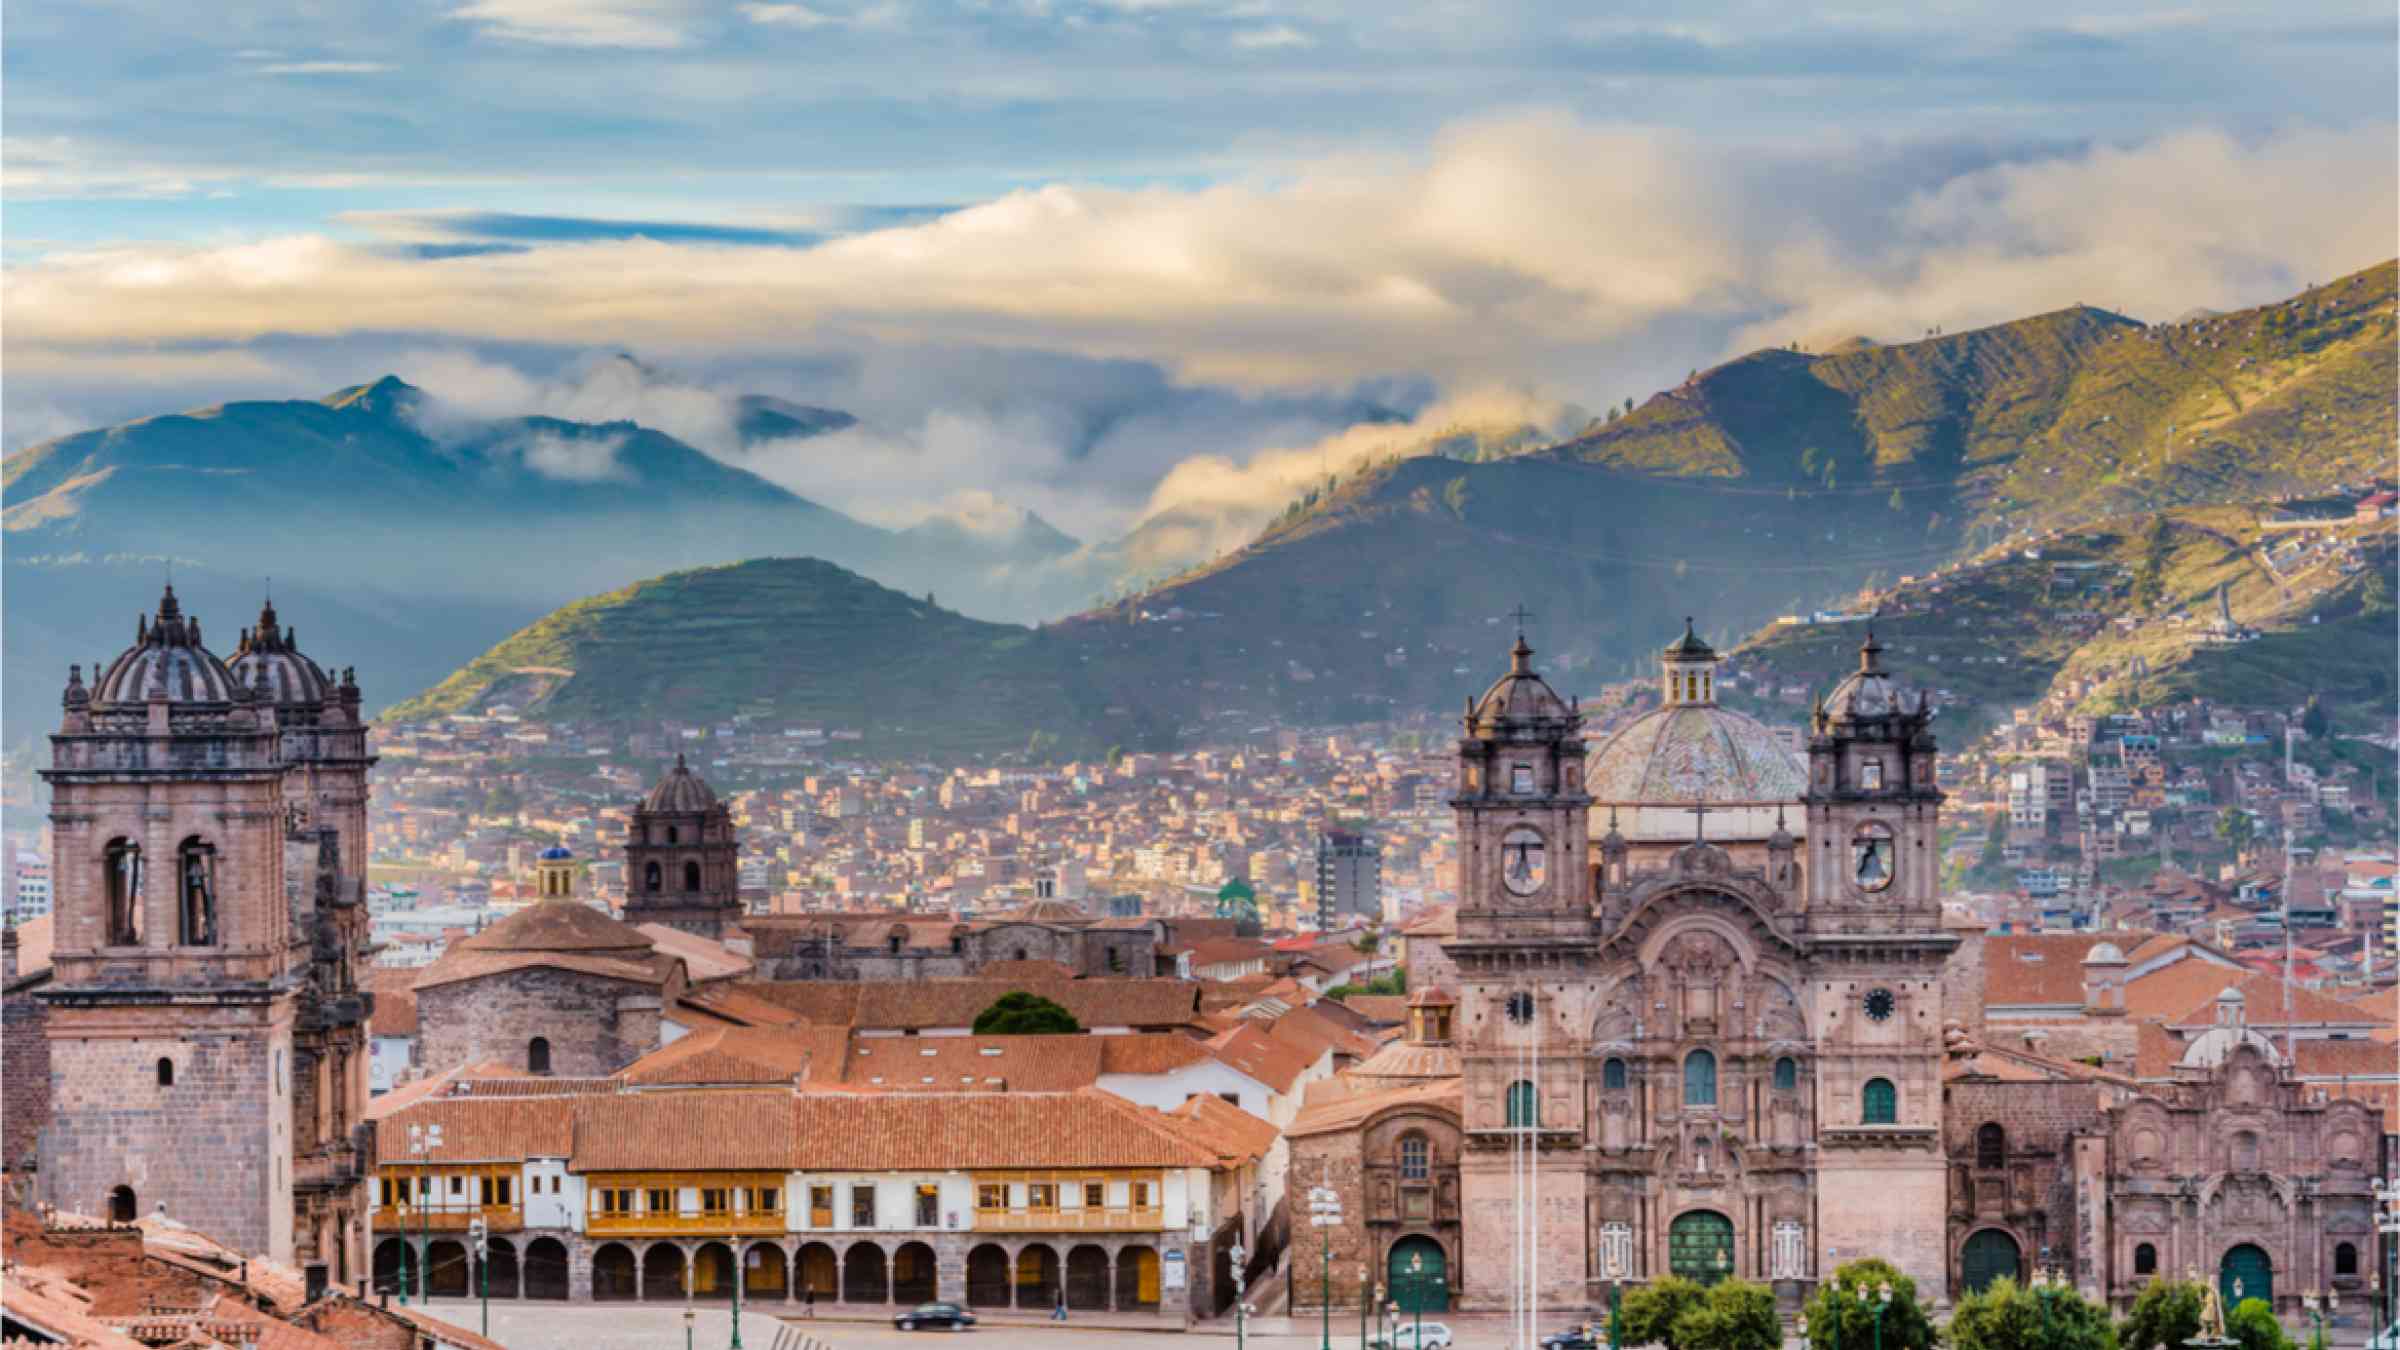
948,1316
1585,1336
1436,1336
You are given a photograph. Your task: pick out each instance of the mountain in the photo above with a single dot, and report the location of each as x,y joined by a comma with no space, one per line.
793,642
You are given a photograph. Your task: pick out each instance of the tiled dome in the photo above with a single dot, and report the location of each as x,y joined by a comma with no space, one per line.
1520,696
1694,753
269,656
166,659
681,792
1866,693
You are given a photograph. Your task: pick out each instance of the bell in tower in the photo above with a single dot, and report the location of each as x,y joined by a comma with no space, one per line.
1522,811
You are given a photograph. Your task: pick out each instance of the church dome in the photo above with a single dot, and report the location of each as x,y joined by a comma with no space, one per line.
560,926
681,792
556,853
1694,753
1520,696
166,661
2211,1048
269,656
1866,693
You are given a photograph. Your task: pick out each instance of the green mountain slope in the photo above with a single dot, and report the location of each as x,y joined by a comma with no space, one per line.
794,641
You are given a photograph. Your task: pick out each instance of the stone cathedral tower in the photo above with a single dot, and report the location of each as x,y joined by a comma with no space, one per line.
1876,943
682,864
205,1027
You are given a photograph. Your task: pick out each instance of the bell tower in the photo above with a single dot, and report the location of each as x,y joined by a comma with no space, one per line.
1522,812
1872,923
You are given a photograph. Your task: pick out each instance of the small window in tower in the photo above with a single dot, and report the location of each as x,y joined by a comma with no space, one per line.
1870,775
196,878
1520,778
537,1055
1880,1103
2345,1259
652,878
1787,1074
166,1073
2145,1259
124,875
674,835
1612,1075
691,876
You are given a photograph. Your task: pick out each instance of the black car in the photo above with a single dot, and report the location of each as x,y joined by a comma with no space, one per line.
1576,1338
946,1315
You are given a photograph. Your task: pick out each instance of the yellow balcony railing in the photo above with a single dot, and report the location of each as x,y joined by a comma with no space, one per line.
664,1225
1126,1219
496,1218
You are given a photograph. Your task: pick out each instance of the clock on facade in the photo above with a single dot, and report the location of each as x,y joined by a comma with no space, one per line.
1880,1004
1524,860
1871,857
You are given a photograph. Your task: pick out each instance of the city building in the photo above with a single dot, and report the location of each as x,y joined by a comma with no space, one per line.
1349,877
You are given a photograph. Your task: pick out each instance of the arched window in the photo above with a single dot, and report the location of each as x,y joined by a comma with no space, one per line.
1416,1158
1523,1111
121,1207
652,878
1700,1079
1880,1103
1787,1074
674,836
1991,1145
1612,1075
122,862
196,891
537,1055
166,1072
691,876
2145,1259
2345,1259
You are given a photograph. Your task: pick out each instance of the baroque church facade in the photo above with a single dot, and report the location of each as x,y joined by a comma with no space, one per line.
204,1021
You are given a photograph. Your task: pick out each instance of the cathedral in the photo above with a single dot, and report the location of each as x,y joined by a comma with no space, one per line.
206,1029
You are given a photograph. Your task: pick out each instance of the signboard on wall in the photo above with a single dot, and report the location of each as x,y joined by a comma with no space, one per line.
1170,1271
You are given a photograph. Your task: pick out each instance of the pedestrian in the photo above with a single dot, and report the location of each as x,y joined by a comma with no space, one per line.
808,1306
1058,1310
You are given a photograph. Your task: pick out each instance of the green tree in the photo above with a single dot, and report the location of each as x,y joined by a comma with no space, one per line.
1905,1325
1737,1315
2165,1316
1653,1314
2150,581
1896,502
1808,460
2375,596
2315,722
1017,1013
2004,1315
2254,1327
2236,828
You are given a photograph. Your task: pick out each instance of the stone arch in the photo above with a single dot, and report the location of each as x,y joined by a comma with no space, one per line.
546,1274
195,893
1137,1279
817,1272
916,1276
615,1276
122,1206
1088,1279
866,1276
537,1055
498,1272
987,1276
663,1271
394,1266
1989,1254
1034,1275
712,1271
1417,1272
446,1269
121,879
691,875
654,878
764,1272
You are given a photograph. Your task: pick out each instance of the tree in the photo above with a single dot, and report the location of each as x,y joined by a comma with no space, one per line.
2165,1316
1896,502
1905,1325
1653,1314
2237,829
1017,1013
2149,583
2254,1327
2315,722
1737,1315
2004,1315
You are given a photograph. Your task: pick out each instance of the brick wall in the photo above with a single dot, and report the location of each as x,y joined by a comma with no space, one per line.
495,1017
1333,1160
24,1077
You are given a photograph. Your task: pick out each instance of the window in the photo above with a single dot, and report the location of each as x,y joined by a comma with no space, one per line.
1991,1145
390,1189
537,1055
1141,1195
1416,1158
1116,961
166,1073
1520,778
662,1202
1870,775
1523,1110
1880,1102
691,876
820,1206
2145,1259
2345,1259
1041,1195
612,1201
990,1196
458,1185
716,1200
862,1207
1095,1195
894,942
929,1206
674,836
1787,1074
499,1190
123,863
196,892
1612,1075
763,1200
652,878
1700,1079
121,1205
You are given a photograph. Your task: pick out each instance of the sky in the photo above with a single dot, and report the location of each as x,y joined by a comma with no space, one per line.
1106,259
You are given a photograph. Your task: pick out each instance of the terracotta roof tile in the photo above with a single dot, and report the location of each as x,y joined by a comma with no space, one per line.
2042,968
1251,1049
733,1055
1234,1133
909,1132
1389,1009
481,1129
702,1131
395,1000
703,959
1349,1110
917,1004
2264,995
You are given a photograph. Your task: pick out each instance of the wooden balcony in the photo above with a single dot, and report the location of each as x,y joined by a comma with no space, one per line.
1122,1220
496,1218
683,1225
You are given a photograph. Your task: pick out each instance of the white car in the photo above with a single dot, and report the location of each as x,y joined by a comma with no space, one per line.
1405,1337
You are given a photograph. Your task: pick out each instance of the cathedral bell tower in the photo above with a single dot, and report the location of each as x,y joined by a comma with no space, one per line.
1526,941
1872,923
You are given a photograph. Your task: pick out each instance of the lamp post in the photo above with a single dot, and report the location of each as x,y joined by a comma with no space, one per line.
2319,1312
2048,1284
1366,1299
2387,1226
423,1142
733,1243
408,1259
1883,1300
1800,1325
480,1236
1324,1213
688,1318
1241,1283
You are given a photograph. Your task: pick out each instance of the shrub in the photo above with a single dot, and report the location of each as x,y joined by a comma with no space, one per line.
1652,1314
1837,1304
1736,1315
2253,1324
2005,1315
1018,1013
2165,1316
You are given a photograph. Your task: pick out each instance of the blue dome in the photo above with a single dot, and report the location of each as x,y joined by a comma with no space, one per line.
555,852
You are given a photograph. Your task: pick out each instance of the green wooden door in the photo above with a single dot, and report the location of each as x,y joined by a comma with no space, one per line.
1419,1277
1990,1255
2248,1265
1700,1246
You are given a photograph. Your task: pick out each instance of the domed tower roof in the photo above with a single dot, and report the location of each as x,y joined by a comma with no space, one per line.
1518,700
680,793
167,661
560,926
1867,694
2211,1048
1690,647
556,853
269,656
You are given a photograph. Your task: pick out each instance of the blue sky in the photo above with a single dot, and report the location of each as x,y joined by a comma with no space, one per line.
1281,212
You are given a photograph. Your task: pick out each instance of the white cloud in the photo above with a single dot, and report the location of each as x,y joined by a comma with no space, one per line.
789,16
581,23
1278,37
573,460
323,68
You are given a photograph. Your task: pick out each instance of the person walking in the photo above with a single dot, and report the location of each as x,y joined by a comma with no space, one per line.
808,1305
1058,1310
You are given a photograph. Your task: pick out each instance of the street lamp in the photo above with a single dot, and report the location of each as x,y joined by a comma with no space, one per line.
2387,1224
688,1318
1366,1299
423,1142
2318,1313
733,1243
408,1263
1883,1300
2048,1284
1324,1212
479,1235
1241,1281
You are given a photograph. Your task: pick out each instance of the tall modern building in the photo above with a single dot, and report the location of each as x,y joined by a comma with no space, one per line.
1349,876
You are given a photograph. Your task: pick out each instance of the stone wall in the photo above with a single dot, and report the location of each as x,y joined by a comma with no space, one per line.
24,1077
496,1017
1331,1159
